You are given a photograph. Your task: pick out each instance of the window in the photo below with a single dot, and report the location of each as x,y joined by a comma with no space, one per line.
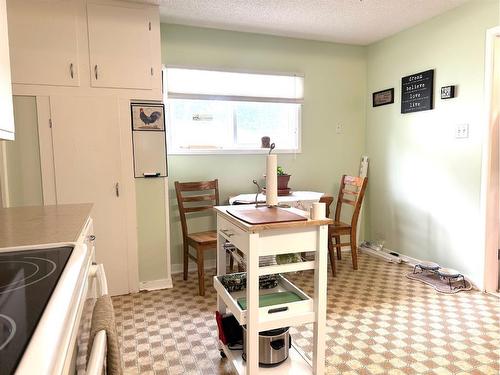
225,112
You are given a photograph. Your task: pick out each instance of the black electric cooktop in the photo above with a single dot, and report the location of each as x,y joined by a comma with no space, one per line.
27,280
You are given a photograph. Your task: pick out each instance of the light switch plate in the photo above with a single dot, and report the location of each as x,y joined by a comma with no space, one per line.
339,129
462,131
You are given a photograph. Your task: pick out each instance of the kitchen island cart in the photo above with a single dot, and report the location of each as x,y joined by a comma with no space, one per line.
256,241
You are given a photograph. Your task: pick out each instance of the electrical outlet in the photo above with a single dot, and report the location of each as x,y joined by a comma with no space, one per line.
462,131
339,129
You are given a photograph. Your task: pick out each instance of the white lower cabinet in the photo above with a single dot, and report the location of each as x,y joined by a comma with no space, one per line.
87,162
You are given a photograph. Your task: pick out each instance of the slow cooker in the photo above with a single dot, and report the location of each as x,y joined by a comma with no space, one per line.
273,346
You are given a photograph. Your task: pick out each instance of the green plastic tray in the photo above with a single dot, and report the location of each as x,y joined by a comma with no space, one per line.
271,299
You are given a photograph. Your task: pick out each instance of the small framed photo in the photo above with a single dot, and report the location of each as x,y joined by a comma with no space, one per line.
447,92
383,97
148,116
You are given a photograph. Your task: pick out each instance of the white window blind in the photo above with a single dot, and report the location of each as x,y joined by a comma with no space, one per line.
227,112
200,84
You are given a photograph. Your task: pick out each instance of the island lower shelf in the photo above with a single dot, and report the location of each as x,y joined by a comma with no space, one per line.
274,316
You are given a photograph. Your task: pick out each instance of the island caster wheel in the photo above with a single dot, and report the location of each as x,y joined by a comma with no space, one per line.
222,354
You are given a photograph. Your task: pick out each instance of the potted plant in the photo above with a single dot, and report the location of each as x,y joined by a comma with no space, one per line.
283,179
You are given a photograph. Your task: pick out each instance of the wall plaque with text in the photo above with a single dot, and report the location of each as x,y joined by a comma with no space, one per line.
417,92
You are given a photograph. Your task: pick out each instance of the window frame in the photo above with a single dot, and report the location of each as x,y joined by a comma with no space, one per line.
171,150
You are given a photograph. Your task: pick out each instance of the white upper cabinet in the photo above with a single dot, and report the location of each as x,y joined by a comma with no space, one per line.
120,46
43,42
6,107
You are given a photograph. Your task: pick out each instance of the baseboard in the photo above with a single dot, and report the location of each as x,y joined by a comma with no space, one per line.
156,284
381,254
178,268
211,263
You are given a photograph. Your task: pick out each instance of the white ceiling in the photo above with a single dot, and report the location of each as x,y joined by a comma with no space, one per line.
344,21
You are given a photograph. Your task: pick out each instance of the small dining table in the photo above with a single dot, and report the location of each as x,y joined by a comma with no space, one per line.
301,200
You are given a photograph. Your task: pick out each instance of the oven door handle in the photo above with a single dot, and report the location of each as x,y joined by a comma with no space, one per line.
97,272
97,357
95,364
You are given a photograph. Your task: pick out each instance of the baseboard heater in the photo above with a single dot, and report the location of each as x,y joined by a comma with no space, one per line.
379,252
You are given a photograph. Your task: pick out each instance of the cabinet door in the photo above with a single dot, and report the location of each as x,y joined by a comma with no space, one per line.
43,42
120,46
6,108
87,167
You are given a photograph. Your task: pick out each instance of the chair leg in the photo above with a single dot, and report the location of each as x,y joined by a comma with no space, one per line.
231,261
331,253
339,249
354,250
201,271
186,259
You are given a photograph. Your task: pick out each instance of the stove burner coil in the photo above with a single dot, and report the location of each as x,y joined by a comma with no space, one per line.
7,330
24,282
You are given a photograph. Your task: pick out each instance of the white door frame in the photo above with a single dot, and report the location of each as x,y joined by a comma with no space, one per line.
489,226
4,183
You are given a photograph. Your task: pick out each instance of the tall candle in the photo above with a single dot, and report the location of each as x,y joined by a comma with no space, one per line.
272,180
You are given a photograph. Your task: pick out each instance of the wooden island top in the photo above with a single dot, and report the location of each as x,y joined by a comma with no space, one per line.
222,210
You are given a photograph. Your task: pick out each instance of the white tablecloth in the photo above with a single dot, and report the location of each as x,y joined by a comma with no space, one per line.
302,200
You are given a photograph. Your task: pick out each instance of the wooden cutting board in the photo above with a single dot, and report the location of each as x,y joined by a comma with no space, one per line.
265,215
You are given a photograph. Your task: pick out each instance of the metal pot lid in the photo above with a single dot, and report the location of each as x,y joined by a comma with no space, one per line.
272,332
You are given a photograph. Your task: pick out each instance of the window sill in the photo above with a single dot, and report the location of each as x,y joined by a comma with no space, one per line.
231,151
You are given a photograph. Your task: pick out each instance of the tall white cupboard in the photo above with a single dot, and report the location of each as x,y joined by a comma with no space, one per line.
84,67
6,107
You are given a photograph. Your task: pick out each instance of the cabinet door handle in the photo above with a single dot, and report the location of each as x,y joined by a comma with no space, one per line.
91,238
71,71
277,310
117,189
96,72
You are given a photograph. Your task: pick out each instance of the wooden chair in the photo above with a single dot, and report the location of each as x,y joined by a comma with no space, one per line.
327,200
202,196
354,188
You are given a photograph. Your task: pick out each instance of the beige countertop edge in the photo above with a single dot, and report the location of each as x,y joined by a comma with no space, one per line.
260,227
38,225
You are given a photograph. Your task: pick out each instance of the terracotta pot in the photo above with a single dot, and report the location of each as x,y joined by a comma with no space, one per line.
283,181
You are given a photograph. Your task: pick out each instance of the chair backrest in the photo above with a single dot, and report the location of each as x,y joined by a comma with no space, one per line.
327,200
351,192
201,196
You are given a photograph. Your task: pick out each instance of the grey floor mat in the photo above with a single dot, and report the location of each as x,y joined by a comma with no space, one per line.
439,284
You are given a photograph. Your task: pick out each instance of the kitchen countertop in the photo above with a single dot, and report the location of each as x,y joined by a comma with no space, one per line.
22,226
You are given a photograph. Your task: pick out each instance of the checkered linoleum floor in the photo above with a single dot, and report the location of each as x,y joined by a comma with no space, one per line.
378,322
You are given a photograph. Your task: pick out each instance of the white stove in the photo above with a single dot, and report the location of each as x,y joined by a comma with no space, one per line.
27,280
43,290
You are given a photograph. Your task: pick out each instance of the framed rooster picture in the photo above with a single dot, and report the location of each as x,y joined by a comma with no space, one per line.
148,116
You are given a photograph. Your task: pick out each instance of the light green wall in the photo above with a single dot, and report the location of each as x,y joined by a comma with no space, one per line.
423,192
335,77
24,176
151,235
424,189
